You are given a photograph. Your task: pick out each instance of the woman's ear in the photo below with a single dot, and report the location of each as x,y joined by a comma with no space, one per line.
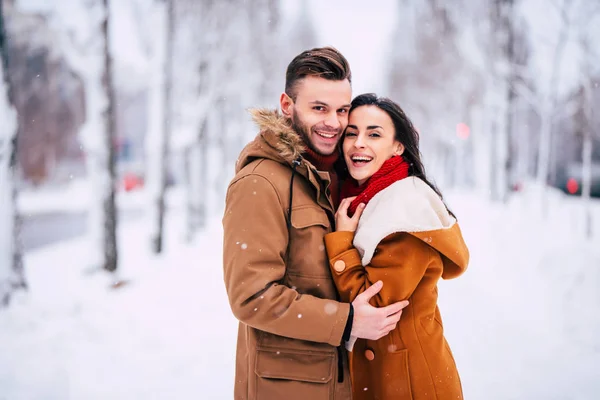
286,104
399,149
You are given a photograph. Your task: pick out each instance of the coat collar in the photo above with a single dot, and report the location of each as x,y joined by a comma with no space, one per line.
278,141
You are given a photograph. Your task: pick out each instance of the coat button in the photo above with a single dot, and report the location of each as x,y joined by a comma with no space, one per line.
369,355
339,266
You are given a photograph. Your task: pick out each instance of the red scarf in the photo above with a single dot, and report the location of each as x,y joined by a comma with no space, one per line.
393,170
325,163
321,162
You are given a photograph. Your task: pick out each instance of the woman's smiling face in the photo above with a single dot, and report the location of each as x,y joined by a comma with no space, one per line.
369,141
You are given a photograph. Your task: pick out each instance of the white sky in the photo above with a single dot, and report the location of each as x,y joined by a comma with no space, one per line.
359,29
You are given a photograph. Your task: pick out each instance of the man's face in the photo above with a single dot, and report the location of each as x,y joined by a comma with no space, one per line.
320,112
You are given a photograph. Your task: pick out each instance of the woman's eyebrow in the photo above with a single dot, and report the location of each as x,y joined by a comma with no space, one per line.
374,127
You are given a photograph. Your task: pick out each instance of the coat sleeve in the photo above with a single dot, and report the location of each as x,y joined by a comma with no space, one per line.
399,262
255,239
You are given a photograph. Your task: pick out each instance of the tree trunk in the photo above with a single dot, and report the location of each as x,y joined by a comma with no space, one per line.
197,184
160,114
508,18
586,181
493,158
110,255
503,43
89,56
543,165
11,261
588,143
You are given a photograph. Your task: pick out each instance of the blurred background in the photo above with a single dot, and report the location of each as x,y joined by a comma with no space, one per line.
121,121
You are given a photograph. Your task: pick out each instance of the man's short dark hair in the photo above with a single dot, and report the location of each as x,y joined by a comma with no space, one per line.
324,62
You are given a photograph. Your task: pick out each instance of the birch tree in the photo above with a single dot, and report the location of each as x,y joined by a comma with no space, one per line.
83,28
196,48
586,152
11,261
434,82
110,256
228,60
504,41
159,113
589,114
548,100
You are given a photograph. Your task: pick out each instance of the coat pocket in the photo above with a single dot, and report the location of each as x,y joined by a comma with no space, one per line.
397,385
432,324
307,256
294,374
303,217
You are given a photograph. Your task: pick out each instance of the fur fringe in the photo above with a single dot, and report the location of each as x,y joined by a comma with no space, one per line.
289,144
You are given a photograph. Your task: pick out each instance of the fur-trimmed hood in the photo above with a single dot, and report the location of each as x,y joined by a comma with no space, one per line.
276,141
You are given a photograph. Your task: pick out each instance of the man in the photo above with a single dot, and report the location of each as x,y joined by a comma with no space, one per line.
279,206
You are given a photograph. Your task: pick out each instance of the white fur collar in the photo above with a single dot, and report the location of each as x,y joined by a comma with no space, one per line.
408,205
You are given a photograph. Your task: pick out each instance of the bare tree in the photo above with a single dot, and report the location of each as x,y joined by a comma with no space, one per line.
589,115
221,41
160,120
429,73
109,207
85,47
11,260
197,84
549,99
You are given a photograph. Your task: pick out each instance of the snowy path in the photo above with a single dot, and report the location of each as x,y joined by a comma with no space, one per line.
523,322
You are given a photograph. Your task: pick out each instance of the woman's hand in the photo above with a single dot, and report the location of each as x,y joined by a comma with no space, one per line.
342,221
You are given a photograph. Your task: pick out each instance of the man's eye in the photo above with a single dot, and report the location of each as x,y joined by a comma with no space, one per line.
319,108
343,111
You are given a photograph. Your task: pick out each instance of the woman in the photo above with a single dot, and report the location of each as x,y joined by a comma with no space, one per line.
392,226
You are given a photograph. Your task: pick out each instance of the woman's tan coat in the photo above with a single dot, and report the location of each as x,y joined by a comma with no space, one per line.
408,240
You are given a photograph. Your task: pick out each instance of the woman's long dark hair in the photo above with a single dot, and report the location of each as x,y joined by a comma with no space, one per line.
405,134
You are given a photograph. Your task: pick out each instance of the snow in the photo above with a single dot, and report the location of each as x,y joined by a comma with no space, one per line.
151,338
74,196
522,322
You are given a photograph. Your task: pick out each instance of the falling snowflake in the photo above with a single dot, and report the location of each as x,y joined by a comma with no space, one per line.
244,246
331,308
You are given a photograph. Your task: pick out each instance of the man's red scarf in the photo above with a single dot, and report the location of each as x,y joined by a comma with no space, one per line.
392,170
325,163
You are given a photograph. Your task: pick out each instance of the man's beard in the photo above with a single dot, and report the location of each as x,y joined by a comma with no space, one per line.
301,129
304,130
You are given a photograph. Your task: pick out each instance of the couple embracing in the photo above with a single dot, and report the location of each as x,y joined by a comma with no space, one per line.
334,241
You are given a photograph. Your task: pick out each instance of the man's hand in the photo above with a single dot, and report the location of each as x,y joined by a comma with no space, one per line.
374,323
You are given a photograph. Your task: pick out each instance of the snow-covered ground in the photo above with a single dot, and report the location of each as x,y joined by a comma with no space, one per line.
523,322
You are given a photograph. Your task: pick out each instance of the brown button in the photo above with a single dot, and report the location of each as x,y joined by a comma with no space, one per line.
339,266
369,355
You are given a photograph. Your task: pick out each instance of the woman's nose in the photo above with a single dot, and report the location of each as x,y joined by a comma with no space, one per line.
359,142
